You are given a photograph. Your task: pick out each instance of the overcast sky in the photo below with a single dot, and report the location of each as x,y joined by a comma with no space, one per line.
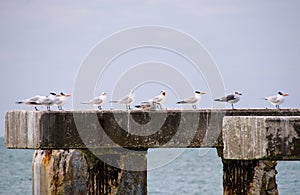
255,44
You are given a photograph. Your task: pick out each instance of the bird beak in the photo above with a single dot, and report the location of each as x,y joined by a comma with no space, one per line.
285,94
68,95
202,93
58,95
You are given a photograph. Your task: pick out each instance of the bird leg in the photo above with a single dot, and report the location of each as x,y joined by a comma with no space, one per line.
232,106
48,108
99,107
36,108
160,107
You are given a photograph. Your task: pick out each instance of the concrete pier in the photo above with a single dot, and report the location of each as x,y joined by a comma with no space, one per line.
103,152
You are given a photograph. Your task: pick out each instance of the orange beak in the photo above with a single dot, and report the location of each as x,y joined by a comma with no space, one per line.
202,93
285,94
68,95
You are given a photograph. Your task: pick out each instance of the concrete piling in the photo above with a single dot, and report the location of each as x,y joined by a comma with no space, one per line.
249,177
81,172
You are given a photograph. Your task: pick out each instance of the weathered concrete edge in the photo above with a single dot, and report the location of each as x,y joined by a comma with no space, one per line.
261,137
40,139
24,132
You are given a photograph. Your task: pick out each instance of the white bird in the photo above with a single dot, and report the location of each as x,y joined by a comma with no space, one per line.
61,100
127,100
232,98
149,105
97,101
158,100
31,101
276,100
193,100
47,100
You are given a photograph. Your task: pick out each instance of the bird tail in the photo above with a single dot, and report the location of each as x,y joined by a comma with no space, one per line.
218,100
113,101
180,102
85,102
264,98
29,103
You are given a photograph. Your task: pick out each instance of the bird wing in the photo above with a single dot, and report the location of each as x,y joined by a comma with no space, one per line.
34,98
157,99
125,100
230,97
222,99
273,99
189,100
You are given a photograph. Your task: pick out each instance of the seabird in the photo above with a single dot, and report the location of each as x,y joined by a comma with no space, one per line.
193,100
276,100
97,101
127,100
232,98
61,100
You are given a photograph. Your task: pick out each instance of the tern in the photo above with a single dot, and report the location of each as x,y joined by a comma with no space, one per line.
276,100
193,100
31,101
97,101
158,100
47,100
232,98
127,100
61,100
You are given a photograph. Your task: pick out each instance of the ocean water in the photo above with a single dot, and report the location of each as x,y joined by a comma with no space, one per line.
173,171
15,171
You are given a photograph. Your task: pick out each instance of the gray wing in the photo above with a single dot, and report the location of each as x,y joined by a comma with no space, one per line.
190,100
156,99
126,100
222,99
273,99
229,97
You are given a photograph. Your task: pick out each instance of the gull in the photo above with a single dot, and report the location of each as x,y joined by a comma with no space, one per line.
61,99
47,100
31,101
97,101
193,100
127,100
158,100
276,100
232,98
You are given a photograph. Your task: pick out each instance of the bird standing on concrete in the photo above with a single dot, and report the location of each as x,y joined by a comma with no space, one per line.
61,100
276,100
193,100
31,101
232,98
153,103
127,100
148,105
97,101
47,101
159,100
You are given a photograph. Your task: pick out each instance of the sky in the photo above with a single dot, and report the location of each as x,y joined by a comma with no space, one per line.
254,44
